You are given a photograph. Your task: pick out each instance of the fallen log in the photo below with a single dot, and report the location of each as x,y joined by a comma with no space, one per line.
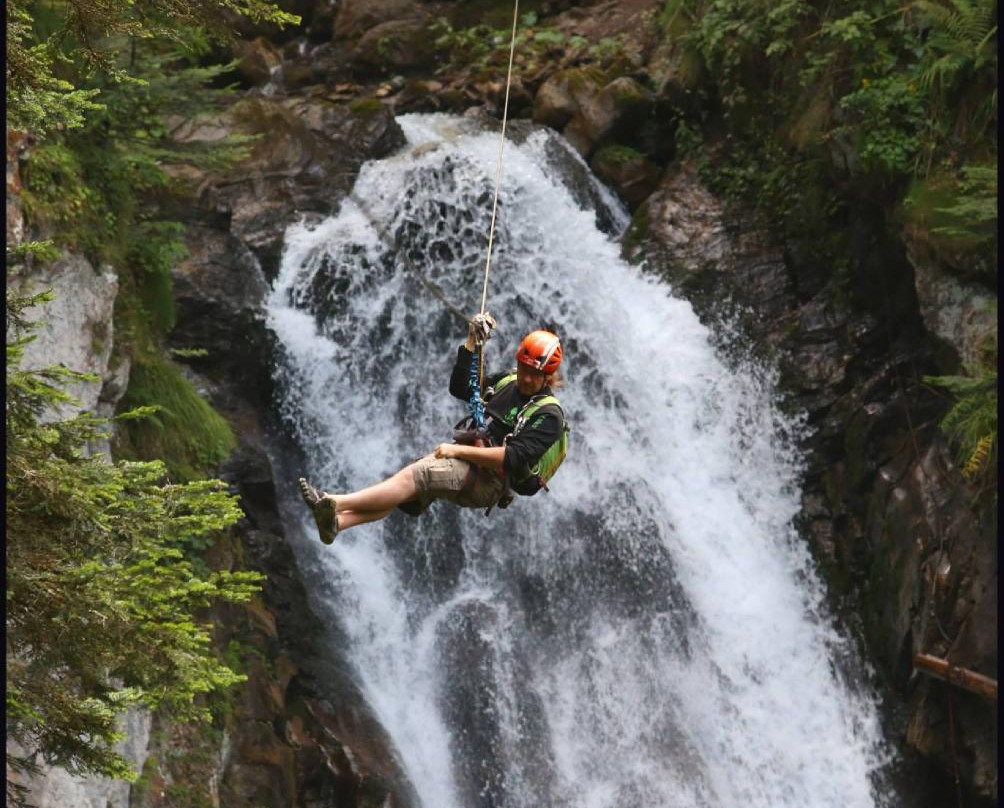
945,670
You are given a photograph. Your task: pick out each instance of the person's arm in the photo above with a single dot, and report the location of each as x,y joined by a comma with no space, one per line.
460,379
491,457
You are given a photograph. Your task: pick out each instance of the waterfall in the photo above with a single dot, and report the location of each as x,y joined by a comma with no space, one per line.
648,633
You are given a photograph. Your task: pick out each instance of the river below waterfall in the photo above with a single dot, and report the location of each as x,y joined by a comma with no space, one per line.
648,633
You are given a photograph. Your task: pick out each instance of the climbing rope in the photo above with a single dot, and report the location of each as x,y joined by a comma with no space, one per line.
475,405
498,171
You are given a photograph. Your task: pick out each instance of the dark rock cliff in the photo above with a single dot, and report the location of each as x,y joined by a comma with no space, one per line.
908,549
294,735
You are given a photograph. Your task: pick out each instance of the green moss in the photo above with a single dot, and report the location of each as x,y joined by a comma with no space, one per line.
637,232
192,796
141,787
580,78
365,107
618,155
186,433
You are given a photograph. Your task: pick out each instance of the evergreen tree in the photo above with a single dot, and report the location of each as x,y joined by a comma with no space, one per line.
54,48
102,594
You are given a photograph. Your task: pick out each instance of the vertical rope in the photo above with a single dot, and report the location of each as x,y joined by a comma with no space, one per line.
498,172
476,405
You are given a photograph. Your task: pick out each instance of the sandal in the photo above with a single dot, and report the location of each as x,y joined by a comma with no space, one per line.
322,505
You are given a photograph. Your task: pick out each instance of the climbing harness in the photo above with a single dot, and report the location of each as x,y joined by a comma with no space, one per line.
537,475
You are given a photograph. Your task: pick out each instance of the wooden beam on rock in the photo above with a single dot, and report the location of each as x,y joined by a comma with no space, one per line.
964,678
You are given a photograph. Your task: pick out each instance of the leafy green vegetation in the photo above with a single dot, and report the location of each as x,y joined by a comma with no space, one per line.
105,583
55,49
482,48
825,103
957,211
101,598
971,423
809,113
100,189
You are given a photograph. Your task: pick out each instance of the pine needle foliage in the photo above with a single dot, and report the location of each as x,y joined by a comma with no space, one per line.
102,601
48,65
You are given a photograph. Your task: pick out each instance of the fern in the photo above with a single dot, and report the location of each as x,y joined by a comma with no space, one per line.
962,39
971,423
973,213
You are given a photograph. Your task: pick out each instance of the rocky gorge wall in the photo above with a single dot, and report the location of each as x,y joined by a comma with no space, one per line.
289,736
910,561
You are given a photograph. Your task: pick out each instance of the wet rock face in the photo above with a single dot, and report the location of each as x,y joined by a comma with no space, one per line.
304,162
218,290
890,520
931,588
488,765
282,743
957,304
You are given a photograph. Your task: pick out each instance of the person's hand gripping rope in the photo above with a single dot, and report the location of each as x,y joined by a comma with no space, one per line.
480,327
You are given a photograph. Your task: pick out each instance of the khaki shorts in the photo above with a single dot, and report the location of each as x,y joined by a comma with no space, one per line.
456,481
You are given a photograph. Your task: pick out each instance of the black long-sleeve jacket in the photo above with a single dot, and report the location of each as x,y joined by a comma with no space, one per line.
526,448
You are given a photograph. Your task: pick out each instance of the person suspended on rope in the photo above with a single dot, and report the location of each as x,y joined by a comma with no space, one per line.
519,447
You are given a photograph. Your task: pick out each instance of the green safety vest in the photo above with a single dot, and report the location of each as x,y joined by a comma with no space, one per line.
537,475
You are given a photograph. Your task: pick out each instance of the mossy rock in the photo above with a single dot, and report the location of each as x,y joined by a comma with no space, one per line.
618,155
283,139
186,432
631,174
396,46
366,107
636,235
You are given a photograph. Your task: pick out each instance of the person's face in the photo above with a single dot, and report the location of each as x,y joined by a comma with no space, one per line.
529,380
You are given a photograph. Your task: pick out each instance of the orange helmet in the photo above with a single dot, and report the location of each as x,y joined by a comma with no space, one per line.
540,350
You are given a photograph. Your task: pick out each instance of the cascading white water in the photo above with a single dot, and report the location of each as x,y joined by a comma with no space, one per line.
650,632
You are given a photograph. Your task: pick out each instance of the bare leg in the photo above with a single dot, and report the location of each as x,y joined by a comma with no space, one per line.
347,519
336,513
378,500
